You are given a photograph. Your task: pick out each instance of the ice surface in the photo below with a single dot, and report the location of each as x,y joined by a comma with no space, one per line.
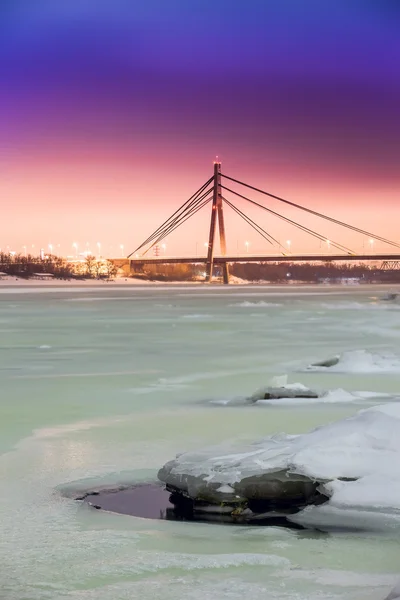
356,462
78,420
359,361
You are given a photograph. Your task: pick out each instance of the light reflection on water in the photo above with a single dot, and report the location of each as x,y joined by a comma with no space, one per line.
107,390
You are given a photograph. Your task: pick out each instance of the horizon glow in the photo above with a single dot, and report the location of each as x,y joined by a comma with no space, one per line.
112,114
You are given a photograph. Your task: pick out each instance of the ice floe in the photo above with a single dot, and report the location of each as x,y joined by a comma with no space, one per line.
345,474
358,361
282,393
337,396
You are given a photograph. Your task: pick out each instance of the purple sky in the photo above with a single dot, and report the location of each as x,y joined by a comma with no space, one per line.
104,103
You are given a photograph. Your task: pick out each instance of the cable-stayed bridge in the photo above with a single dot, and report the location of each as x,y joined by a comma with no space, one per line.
218,192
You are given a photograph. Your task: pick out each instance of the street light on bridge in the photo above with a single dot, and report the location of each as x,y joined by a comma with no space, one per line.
289,243
247,244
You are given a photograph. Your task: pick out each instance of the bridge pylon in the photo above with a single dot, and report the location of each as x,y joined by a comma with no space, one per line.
217,212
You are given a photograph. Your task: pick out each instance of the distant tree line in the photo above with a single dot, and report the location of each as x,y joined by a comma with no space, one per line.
272,272
171,272
306,272
19,265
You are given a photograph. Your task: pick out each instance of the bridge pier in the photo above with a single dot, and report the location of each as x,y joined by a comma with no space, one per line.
217,212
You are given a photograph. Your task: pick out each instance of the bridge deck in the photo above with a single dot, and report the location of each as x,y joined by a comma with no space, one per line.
258,258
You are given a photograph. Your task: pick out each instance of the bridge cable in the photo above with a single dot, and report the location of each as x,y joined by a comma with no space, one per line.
176,214
253,224
315,213
298,225
183,207
166,233
172,228
176,222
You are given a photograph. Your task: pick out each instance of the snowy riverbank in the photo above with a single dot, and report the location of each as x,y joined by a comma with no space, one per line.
11,282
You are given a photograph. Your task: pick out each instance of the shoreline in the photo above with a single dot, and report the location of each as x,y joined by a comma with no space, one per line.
10,284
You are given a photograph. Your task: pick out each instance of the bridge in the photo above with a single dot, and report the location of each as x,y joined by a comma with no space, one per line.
215,191
388,260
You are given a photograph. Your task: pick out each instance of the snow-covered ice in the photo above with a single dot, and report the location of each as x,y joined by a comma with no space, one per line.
395,593
296,393
355,461
337,396
359,361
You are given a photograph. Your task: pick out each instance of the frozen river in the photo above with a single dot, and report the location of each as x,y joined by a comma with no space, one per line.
105,385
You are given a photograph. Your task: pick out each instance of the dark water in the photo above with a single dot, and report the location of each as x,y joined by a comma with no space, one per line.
153,501
148,501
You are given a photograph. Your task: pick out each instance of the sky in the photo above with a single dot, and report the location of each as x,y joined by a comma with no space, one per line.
112,113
